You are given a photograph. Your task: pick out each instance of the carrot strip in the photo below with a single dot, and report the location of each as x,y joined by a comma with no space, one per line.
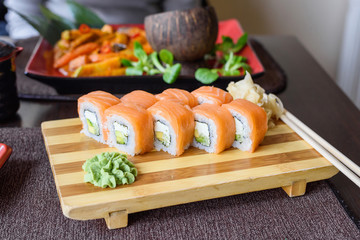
81,50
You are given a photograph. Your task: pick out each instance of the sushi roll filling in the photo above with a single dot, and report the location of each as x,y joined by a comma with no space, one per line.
240,130
162,133
121,133
92,123
202,133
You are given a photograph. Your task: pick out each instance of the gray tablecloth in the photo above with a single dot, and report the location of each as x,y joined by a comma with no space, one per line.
30,208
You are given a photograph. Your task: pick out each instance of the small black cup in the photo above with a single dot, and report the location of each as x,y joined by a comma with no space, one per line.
9,101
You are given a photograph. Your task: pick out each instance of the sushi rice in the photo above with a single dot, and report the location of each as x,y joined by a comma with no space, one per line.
91,119
121,134
243,131
205,134
129,128
202,100
164,137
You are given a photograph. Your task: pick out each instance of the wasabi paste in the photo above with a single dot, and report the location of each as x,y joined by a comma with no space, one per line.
109,169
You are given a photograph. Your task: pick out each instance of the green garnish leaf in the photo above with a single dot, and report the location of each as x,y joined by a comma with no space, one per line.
85,15
139,52
172,73
151,64
231,63
155,60
126,63
206,76
230,72
132,71
240,43
139,65
153,72
237,59
246,67
235,66
166,56
226,45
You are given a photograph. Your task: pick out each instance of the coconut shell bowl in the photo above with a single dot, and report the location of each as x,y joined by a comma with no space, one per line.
188,34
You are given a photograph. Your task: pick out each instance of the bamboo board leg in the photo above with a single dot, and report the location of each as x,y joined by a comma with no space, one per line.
297,188
117,219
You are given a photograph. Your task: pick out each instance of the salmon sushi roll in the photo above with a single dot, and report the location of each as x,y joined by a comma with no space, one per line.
139,97
173,127
214,128
130,128
250,123
212,95
178,95
91,108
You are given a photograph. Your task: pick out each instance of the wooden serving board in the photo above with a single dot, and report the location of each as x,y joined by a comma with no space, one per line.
282,160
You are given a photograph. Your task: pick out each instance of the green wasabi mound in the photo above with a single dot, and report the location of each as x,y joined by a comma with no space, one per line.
109,169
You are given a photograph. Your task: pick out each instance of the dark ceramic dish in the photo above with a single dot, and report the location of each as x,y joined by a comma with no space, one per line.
38,68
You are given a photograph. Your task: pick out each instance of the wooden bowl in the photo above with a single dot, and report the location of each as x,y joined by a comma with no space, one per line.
188,34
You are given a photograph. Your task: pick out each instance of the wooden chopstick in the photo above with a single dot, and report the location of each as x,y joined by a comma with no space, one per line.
339,160
345,160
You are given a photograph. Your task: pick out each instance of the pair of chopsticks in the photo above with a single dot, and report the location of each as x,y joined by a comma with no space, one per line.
339,160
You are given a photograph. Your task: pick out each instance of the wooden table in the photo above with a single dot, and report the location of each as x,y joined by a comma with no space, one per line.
311,95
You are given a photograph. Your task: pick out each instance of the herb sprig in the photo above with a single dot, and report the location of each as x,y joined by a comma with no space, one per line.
151,64
227,45
232,64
